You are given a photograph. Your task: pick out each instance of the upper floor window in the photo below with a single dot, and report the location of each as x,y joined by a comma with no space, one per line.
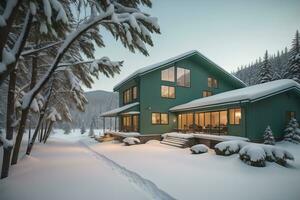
134,93
235,116
167,91
168,74
130,94
206,93
183,77
212,83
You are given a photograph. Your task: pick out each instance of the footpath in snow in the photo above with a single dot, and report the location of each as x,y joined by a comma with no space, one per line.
65,169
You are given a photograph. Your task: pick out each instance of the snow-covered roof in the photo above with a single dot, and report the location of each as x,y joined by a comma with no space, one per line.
247,94
158,65
116,111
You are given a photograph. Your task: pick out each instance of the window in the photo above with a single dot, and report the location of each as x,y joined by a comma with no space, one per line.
160,118
185,121
134,93
206,93
167,91
126,123
235,116
168,74
127,96
290,115
212,83
135,123
211,122
183,77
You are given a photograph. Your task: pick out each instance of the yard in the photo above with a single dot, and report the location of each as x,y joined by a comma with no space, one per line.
75,167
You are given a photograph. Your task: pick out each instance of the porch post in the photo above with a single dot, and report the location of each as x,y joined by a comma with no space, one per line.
116,123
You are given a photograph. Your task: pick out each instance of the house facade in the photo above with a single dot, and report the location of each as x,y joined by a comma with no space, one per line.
159,99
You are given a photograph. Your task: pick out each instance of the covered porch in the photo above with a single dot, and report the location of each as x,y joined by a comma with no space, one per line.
127,118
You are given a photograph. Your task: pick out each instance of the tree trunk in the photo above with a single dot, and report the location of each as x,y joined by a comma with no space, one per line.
9,121
49,131
45,130
41,132
24,115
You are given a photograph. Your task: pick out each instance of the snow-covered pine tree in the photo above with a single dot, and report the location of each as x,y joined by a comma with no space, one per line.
293,66
268,136
292,131
265,74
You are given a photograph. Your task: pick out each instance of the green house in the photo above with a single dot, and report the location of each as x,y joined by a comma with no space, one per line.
190,93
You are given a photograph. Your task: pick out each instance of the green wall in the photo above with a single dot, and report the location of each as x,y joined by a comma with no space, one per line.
271,111
150,92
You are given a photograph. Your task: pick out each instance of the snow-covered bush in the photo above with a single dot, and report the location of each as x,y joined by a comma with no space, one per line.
131,141
228,148
292,131
268,136
253,154
199,148
276,154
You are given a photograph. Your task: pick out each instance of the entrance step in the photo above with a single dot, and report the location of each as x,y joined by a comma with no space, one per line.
176,141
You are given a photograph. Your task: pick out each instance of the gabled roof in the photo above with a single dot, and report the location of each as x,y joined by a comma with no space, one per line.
247,94
156,66
115,112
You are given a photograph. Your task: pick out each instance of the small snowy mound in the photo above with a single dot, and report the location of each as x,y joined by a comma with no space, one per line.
276,154
253,155
153,142
131,141
228,148
199,148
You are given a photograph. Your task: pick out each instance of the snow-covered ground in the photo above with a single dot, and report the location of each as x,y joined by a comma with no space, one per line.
77,167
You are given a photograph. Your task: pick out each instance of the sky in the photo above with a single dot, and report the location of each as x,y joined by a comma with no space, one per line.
229,32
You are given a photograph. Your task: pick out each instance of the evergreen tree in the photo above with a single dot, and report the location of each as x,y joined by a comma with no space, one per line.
292,131
293,66
82,130
268,136
67,129
265,74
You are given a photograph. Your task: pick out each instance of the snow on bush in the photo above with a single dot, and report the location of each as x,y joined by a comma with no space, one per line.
268,136
199,148
292,131
253,154
276,154
228,148
131,141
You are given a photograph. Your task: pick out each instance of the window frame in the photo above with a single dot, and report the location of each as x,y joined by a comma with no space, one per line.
160,117
184,74
169,68
168,96
234,116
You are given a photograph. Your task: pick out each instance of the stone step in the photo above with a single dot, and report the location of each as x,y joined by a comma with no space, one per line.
172,144
175,141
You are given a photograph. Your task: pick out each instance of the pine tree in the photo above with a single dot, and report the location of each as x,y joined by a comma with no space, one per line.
292,131
293,66
67,129
265,74
268,136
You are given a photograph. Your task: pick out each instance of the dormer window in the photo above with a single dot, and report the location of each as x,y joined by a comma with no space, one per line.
168,74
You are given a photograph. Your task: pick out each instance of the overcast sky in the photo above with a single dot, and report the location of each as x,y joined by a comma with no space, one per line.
229,32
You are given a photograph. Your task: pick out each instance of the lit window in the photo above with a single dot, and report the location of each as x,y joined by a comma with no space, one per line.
167,91
290,115
168,74
206,93
160,118
164,118
183,77
155,118
134,93
212,83
127,94
235,116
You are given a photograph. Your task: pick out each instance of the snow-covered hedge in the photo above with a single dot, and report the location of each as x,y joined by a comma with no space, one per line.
276,154
131,141
199,148
228,148
253,155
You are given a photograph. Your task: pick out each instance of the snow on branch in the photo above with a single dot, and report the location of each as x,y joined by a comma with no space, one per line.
53,115
5,142
10,5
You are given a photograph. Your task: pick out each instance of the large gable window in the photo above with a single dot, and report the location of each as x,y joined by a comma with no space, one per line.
183,77
168,74
167,91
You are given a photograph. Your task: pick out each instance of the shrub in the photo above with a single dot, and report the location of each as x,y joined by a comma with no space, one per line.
253,155
131,141
199,148
268,136
228,148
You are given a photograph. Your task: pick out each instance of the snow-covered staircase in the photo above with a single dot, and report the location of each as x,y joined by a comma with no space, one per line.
176,141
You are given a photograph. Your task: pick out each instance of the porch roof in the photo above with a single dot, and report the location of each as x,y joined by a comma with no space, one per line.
115,112
247,94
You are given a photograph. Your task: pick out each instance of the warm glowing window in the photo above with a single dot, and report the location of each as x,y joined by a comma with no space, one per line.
206,93
168,74
212,83
183,77
160,118
223,118
135,123
134,92
185,121
235,116
167,91
127,96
